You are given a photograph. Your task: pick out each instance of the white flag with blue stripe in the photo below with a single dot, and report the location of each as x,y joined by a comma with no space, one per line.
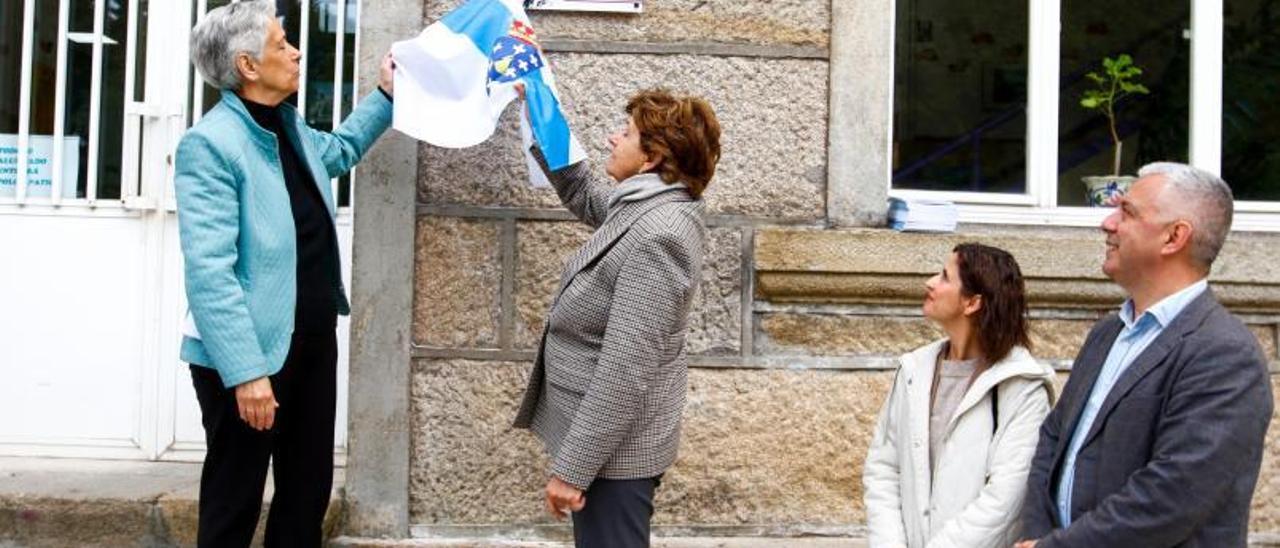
454,80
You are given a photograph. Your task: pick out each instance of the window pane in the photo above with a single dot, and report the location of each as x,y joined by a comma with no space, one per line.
211,95
960,96
1150,127
44,69
111,117
43,64
322,58
11,37
140,54
79,91
10,65
349,78
1250,111
290,14
321,49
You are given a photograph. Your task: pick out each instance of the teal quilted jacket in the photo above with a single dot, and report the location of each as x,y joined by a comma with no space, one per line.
236,228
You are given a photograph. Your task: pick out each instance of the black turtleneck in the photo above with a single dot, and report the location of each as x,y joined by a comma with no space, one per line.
318,269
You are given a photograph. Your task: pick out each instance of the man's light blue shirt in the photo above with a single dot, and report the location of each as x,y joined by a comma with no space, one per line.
1133,339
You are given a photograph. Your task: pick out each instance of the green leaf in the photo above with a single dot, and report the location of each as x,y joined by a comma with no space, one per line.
1117,80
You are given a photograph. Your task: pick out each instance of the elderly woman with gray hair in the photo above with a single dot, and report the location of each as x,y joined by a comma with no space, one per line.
263,284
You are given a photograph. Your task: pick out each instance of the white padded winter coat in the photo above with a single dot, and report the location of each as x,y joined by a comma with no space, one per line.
976,497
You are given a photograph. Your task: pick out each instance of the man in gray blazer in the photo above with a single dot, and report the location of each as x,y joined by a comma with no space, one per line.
1158,436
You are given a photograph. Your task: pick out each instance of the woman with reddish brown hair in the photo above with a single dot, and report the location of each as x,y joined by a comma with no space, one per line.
608,383
948,463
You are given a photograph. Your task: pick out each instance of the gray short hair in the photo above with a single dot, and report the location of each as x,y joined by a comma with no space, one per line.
1202,198
225,33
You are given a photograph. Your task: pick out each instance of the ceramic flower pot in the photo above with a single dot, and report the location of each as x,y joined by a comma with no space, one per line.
1100,191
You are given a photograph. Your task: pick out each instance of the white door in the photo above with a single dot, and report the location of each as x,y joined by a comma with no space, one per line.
97,93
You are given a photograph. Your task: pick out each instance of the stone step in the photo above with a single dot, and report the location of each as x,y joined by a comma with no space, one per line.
89,503
658,542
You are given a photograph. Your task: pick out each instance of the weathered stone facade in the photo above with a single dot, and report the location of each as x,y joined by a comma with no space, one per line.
796,324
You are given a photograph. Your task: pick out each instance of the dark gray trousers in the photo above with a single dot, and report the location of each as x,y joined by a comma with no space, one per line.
617,514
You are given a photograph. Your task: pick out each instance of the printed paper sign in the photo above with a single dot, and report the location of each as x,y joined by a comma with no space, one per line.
39,165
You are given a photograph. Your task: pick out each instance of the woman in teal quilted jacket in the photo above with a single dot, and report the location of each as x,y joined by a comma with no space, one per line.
263,283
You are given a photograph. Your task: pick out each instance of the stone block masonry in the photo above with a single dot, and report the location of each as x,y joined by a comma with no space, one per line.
795,329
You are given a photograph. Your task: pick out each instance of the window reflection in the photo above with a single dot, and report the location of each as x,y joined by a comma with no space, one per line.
960,86
1151,127
11,37
10,64
78,101
1250,111
211,95
321,62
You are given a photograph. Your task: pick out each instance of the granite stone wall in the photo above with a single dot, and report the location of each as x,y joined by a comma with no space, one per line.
795,326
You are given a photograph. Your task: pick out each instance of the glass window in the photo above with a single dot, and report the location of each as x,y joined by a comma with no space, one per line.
79,88
960,96
115,31
78,102
210,95
11,37
43,75
322,52
1149,127
349,78
10,67
1250,111
320,57
960,113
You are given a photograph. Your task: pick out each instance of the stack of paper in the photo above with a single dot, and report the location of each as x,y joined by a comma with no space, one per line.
915,215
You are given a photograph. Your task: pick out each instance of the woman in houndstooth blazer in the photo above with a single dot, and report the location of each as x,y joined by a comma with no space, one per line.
608,384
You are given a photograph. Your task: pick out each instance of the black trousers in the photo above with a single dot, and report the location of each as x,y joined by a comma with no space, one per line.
299,446
617,514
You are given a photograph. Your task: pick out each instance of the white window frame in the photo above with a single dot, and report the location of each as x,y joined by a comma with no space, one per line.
1038,206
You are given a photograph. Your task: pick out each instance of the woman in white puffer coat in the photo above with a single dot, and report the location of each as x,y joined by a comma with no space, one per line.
947,466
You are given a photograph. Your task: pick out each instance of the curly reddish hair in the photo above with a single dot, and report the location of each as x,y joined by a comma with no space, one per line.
683,131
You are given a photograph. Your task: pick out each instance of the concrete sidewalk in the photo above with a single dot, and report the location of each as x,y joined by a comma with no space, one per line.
100,503
81,502
97,503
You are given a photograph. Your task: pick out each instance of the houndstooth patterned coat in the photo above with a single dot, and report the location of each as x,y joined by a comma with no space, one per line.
608,384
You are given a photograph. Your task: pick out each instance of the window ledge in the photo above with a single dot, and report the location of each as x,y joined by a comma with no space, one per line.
1245,220
1061,266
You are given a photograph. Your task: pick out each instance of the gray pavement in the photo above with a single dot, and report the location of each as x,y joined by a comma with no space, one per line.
83,502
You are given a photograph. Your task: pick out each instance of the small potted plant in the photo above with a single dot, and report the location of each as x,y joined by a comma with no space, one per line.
1117,81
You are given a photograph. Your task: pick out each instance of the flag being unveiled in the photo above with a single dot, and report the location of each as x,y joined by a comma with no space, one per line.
454,80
